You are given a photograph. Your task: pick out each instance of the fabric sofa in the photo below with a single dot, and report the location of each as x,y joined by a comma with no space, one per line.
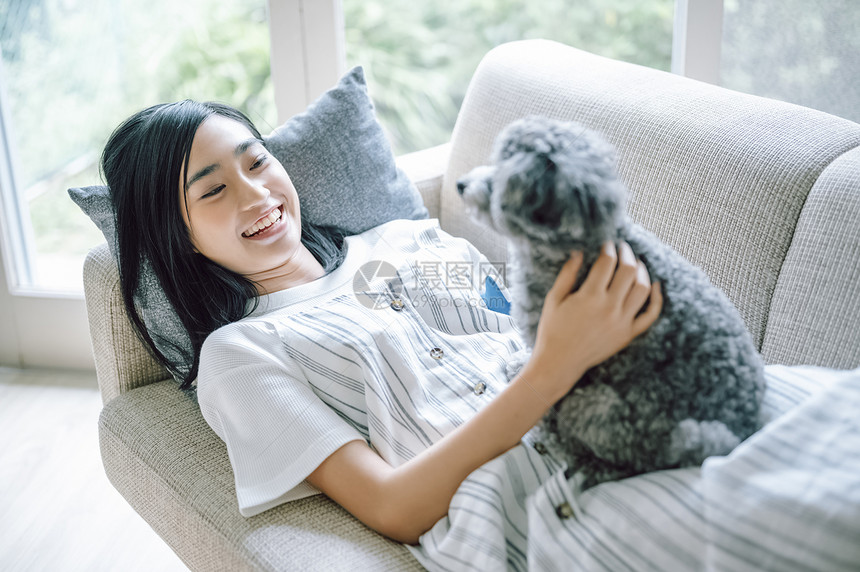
762,195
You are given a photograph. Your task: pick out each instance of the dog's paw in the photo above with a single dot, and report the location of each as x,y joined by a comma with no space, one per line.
516,363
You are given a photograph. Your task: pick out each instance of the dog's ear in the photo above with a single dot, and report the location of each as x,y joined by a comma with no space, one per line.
529,194
589,197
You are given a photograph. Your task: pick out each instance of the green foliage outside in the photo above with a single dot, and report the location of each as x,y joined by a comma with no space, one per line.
74,69
803,51
419,56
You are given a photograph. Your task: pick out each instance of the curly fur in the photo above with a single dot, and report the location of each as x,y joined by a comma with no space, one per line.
688,388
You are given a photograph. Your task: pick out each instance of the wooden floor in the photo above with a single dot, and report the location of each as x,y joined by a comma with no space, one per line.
58,511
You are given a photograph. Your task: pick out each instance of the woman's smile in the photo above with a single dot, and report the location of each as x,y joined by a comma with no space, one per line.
270,225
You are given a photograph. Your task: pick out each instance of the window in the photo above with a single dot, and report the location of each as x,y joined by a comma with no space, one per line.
800,51
73,69
419,56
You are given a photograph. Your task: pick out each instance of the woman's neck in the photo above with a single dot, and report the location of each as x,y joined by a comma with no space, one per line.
299,269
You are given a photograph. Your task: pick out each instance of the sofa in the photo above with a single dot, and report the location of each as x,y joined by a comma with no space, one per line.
764,196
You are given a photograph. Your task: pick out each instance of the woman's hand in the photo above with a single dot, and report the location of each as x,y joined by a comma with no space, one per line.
578,330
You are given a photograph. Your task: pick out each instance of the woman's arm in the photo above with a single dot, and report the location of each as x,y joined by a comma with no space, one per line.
576,332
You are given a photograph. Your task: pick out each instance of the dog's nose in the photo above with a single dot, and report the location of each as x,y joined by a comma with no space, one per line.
461,187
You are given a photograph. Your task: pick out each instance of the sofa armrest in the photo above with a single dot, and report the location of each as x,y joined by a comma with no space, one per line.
122,360
425,168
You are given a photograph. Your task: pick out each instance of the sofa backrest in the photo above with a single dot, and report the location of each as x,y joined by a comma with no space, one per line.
721,176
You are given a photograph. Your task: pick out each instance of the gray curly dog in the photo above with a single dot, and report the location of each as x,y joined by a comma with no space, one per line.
690,386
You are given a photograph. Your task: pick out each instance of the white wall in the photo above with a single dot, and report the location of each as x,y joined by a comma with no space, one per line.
45,330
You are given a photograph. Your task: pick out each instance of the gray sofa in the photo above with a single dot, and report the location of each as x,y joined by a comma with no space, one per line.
762,195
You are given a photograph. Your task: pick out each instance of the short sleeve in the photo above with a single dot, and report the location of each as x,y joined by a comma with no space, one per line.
277,430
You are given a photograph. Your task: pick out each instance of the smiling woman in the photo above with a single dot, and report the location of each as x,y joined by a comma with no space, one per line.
194,230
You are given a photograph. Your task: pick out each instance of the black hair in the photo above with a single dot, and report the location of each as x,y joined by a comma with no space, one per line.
142,163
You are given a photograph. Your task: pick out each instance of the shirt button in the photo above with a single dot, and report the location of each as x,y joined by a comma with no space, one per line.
436,353
564,511
396,304
540,448
479,388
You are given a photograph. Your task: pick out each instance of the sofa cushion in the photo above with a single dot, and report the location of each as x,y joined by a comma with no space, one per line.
162,457
342,166
718,175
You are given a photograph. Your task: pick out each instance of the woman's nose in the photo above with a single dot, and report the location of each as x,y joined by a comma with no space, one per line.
253,193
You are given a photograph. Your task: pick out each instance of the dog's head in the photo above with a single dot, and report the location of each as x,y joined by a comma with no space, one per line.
549,181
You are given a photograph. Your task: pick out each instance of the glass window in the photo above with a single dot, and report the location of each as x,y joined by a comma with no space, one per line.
801,51
419,56
73,69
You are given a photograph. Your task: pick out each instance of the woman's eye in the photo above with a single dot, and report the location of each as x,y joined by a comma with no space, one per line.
213,192
259,162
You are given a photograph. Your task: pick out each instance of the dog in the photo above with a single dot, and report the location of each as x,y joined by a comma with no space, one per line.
690,387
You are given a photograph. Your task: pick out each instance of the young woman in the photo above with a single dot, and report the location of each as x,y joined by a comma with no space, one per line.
384,407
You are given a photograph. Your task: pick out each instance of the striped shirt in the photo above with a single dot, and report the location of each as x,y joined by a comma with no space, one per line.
397,347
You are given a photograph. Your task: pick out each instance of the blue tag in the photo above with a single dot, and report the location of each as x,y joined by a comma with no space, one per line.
493,297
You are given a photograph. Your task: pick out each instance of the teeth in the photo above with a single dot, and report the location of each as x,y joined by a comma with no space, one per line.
266,222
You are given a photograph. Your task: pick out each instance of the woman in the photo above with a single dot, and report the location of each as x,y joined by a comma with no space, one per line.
412,397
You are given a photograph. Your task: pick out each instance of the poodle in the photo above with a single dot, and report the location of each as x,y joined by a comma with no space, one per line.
690,387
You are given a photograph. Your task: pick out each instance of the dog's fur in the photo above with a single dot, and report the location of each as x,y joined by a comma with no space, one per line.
690,386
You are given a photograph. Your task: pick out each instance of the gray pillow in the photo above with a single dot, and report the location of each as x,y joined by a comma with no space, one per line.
341,163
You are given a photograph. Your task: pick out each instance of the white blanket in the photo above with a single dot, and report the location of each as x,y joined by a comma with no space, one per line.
788,498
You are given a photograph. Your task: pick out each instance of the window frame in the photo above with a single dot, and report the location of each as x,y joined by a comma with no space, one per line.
307,57
697,39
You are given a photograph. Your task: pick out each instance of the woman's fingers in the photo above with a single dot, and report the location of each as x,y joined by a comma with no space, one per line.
618,277
624,279
625,272
643,321
566,278
639,291
601,272
614,272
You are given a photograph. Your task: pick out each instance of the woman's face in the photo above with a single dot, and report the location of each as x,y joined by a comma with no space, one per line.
241,208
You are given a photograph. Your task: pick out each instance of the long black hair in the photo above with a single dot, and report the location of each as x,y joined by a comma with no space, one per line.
142,163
